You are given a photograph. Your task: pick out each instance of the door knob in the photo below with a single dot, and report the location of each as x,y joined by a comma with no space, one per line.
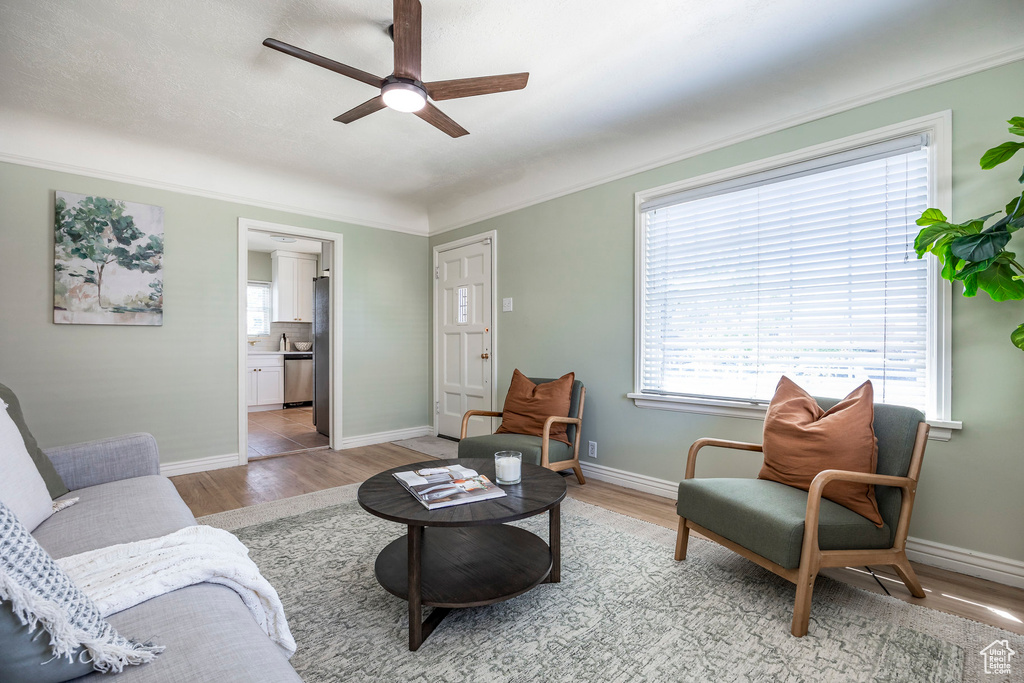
485,356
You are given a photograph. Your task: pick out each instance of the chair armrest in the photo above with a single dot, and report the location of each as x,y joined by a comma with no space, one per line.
825,477
99,462
691,457
563,420
471,413
546,434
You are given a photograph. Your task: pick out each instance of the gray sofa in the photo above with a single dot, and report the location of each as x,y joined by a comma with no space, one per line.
208,633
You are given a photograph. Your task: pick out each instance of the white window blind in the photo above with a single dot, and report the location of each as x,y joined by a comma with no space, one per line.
257,309
808,271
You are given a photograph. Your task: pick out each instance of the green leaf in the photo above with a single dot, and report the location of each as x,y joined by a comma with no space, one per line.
930,234
974,268
931,216
1017,125
1017,337
976,225
971,285
999,154
998,281
941,250
979,247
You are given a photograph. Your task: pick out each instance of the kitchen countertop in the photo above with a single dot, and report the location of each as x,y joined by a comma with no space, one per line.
278,353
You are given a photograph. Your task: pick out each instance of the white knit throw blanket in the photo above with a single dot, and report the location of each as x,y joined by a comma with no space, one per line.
122,576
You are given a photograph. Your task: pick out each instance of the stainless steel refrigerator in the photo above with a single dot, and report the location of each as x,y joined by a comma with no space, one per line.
322,355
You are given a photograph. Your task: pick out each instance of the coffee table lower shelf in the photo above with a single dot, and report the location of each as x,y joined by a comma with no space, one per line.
461,567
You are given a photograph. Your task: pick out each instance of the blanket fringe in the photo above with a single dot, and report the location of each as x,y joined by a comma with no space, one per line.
107,654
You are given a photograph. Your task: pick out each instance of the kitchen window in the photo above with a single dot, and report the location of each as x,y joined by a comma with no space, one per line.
804,268
257,309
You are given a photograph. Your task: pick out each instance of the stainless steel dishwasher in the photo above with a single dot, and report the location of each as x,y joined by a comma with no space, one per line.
298,379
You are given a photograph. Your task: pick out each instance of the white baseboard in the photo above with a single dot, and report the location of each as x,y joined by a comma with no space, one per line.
639,482
385,437
213,462
216,462
259,409
1002,570
971,562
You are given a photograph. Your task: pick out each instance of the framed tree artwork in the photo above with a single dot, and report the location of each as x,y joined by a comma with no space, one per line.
108,261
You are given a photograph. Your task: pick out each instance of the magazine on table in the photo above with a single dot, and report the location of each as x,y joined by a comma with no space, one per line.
440,487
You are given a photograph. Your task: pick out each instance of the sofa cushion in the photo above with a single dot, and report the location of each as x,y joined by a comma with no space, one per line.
54,484
25,655
768,518
22,489
209,636
117,512
529,446
37,593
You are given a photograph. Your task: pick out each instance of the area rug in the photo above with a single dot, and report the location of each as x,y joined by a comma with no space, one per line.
624,611
431,445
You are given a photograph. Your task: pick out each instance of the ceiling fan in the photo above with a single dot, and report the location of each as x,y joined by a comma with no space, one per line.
403,90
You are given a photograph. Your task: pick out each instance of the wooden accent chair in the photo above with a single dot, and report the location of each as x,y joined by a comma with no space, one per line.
794,533
540,450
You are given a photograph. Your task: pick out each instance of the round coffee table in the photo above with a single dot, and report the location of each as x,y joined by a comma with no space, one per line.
464,555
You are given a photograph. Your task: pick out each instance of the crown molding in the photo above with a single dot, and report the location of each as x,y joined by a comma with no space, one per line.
935,78
202,192
58,145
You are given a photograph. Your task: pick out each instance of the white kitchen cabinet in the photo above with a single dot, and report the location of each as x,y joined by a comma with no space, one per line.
265,381
292,289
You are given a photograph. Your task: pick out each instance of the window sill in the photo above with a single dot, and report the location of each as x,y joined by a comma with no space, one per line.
941,430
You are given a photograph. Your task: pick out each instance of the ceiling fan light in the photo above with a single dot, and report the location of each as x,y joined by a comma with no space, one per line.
403,96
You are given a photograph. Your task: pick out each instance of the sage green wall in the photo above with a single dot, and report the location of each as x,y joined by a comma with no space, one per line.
260,267
180,381
568,264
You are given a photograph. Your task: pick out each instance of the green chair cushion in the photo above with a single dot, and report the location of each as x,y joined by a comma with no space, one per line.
768,518
486,446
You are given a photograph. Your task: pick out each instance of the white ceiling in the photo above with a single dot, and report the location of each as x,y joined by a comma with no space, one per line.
184,93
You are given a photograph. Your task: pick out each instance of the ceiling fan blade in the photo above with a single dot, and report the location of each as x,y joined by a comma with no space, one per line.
440,120
470,87
408,20
334,66
367,107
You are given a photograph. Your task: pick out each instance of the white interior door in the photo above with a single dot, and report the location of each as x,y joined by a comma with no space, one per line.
463,344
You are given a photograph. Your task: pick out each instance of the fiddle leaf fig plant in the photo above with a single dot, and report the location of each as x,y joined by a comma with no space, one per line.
976,255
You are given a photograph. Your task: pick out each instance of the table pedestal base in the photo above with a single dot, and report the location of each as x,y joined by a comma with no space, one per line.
451,567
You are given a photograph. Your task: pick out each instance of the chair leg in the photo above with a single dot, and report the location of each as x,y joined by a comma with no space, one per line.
682,536
909,577
579,473
802,607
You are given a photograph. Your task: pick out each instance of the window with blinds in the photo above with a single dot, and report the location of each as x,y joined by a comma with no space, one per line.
257,309
807,270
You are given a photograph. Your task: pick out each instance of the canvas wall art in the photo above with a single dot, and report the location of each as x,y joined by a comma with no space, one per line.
108,261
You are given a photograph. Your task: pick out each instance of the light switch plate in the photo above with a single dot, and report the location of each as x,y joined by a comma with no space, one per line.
506,304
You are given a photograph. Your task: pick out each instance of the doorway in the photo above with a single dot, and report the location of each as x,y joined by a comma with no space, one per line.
464,349
289,339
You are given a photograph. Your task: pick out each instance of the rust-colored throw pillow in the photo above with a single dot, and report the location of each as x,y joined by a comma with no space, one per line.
801,440
528,405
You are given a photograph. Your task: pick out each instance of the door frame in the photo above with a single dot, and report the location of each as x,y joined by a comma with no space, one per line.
491,235
334,239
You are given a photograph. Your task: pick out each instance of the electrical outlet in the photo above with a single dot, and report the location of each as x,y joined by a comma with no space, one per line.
506,304
592,450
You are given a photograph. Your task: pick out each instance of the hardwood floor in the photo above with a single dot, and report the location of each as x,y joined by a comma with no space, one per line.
297,473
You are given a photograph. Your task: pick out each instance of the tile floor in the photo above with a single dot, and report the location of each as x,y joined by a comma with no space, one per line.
272,432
